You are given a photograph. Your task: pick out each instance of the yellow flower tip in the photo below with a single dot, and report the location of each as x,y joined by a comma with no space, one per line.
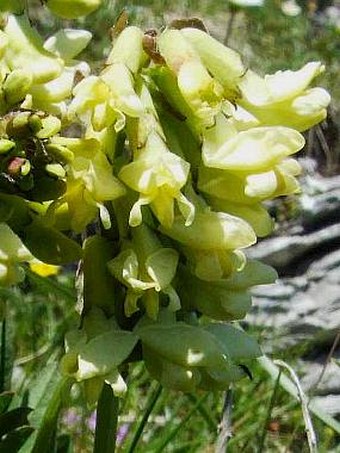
44,269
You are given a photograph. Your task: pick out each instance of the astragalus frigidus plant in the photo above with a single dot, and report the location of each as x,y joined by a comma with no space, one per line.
169,154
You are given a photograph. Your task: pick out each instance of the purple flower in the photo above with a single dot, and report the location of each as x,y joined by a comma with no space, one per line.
92,420
71,418
122,432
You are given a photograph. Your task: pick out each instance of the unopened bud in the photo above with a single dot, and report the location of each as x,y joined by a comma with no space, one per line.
15,165
55,170
17,85
60,153
6,145
50,126
35,123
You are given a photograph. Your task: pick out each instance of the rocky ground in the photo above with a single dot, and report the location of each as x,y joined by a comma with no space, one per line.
303,307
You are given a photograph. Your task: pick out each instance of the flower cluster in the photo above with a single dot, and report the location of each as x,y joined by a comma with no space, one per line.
171,151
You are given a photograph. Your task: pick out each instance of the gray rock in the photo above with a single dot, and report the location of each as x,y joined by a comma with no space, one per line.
282,251
304,305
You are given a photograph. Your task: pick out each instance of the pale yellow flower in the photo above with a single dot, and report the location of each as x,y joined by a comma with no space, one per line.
158,175
284,98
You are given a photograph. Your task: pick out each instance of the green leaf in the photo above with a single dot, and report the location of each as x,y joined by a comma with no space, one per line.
182,344
104,353
234,342
14,211
50,245
45,398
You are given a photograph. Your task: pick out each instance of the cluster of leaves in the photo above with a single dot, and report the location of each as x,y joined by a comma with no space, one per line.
178,146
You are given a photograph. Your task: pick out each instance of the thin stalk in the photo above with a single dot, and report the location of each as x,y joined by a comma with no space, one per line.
230,24
226,423
107,420
328,359
173,433
152,400
311,437
272,369
269,413
204,412
3,355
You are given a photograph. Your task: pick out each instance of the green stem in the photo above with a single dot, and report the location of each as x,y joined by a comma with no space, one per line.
3,355
204,412
269,413
173,433
230,24
107,420
152,400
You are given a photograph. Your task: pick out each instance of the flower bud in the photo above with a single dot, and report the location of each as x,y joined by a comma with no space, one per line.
222,62
6,145
16,85
60,153
199,89
128,49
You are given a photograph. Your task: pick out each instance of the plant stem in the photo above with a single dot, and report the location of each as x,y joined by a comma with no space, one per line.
107,420
269,413
225,427
149,407
211,422
3,355
175,431
230,24
311,437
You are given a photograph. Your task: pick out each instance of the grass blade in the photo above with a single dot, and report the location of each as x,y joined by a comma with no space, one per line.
269,413
152,400
175,431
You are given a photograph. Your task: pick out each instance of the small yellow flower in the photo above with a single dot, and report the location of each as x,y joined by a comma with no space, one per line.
284,98
147,269
90,182
158,175
43,269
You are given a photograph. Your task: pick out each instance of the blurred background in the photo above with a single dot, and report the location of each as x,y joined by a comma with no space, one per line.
296,320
